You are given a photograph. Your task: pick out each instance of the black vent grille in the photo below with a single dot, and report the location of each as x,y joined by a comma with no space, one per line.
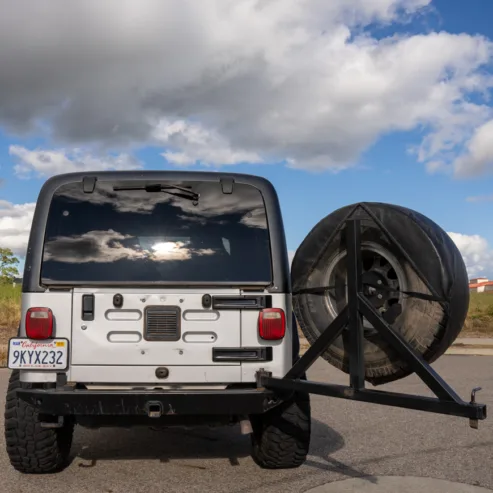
162,323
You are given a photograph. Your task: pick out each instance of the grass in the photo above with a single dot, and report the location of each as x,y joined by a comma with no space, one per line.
479,321
10,311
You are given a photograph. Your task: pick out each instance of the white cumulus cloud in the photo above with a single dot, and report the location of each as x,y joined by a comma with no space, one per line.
46,163
476,252
478,157
15,225
227,81
191,144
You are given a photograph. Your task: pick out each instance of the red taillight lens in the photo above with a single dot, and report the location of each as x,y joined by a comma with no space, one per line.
272,324
39,323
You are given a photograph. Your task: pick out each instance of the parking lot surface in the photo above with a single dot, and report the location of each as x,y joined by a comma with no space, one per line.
349,440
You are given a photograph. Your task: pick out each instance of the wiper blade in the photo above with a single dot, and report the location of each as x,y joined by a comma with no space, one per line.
183,193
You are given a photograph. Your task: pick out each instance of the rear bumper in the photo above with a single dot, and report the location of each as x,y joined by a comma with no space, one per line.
143,403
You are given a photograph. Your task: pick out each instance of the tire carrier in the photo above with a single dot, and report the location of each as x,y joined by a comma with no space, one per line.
447,401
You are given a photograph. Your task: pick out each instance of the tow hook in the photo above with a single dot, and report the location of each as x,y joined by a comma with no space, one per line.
154,409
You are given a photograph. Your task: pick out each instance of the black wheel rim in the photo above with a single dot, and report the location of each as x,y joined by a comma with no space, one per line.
383,279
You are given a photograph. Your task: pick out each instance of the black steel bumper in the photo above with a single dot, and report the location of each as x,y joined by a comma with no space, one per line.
147,402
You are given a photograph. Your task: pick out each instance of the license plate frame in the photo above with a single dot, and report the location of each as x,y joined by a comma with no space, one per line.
50,346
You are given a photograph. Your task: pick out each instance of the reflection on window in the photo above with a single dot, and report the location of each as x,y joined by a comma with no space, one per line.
142,236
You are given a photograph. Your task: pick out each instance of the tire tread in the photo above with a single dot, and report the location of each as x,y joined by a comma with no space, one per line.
32,449
281,437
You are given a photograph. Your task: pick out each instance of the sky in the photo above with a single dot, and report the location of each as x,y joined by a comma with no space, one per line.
335,102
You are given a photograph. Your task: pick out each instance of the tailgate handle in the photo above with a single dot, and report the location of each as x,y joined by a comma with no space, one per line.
253,302
87,307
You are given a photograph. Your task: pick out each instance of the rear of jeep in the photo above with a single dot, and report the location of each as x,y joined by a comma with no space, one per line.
154,298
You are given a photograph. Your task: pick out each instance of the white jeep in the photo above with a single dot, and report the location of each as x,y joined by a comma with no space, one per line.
154,298
165,298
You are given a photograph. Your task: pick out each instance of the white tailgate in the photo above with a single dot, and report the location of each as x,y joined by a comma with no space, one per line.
116,335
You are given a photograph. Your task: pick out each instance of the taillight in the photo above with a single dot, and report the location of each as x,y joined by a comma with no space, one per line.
272,324
39,323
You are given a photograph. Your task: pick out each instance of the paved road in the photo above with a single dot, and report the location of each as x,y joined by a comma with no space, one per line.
349,440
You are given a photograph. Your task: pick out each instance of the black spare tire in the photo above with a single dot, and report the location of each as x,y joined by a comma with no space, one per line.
402,252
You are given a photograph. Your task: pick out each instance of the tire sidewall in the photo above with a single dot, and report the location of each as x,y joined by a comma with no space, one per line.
427,326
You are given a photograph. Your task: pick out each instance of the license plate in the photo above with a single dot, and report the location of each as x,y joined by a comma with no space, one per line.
29,354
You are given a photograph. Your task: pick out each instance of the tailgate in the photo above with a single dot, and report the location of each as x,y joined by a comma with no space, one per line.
150,328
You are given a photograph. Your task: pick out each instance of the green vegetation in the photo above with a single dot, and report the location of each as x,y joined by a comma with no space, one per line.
10,310
479,321
8,266
10,295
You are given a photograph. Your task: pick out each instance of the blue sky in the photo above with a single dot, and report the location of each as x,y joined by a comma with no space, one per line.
419,139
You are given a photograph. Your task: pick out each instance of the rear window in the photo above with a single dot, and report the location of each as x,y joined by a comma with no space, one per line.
150,235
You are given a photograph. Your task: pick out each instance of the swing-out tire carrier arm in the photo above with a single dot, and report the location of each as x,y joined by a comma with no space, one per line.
447,401
460,408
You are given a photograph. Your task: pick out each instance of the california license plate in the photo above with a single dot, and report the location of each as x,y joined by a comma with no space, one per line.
29,354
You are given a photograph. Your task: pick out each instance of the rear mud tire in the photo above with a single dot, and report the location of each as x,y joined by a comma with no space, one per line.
32,449
281,437
429,327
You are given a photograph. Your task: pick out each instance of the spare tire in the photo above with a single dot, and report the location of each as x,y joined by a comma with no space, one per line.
405,254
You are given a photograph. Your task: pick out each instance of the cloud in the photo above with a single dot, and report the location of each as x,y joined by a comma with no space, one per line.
111,246
93,246
477,253
44,163
227,81
212,202
15,224
256,218
478,157
16,219
193,144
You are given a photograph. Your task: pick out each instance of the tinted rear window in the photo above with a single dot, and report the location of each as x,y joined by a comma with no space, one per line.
142,236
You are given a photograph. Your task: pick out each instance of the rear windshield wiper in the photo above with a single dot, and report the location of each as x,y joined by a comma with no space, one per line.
183,193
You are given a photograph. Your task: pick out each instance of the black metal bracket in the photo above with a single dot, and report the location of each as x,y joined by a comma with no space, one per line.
447,401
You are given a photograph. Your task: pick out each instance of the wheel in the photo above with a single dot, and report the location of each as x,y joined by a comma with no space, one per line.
281,436
416,256
32,449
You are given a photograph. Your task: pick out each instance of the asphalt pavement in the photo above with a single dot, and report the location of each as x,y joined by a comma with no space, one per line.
361,446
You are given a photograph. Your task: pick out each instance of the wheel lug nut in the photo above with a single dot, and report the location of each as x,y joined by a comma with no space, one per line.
379,282
379,296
